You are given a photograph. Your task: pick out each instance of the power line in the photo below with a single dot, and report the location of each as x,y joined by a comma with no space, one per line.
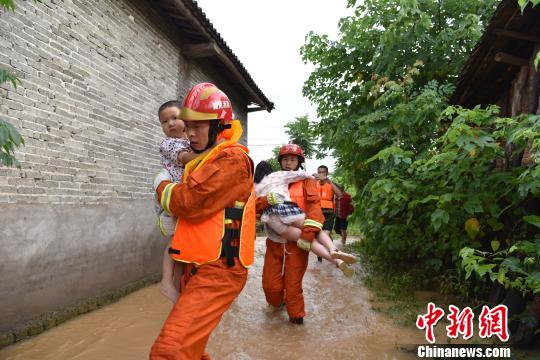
249,145
266,139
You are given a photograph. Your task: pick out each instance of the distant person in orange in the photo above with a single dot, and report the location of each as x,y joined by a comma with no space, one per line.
215,232
326,189
285,263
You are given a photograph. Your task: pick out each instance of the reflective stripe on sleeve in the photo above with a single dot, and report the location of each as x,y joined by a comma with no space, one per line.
313,223
166,197
161,228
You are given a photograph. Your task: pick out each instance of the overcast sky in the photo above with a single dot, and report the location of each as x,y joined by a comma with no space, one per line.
266,36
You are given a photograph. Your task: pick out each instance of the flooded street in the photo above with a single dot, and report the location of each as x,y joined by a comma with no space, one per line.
340,325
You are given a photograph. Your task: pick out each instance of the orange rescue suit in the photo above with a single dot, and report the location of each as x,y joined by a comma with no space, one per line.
326,193
285,264
220,180
201,242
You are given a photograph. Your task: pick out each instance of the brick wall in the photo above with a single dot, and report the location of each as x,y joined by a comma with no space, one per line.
92,77
93,74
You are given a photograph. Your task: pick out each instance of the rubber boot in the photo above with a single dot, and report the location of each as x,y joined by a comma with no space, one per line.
297,321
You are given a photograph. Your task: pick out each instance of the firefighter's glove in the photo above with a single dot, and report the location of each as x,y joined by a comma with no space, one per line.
167,225
275,198
161,175
304,244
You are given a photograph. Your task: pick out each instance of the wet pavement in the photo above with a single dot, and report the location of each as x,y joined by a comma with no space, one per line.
340,325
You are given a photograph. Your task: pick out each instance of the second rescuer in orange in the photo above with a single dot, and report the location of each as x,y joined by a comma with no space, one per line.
286,263
215,232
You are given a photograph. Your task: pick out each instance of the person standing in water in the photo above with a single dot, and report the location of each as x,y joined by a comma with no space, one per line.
215,232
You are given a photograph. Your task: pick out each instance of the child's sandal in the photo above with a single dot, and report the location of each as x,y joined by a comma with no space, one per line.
345,269
348,258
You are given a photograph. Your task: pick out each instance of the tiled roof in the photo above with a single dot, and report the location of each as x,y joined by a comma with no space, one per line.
190,18
483,80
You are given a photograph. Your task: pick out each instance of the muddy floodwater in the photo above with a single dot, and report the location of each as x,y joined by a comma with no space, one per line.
340,325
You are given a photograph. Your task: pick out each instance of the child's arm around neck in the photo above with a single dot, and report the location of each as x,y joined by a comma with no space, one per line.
186,156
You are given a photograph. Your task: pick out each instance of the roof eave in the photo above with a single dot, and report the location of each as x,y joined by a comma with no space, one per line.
213,46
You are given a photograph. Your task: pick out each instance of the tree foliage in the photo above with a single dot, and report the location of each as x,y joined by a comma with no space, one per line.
523,4
273,160
7,4
10,138
301,133
384,37
434,189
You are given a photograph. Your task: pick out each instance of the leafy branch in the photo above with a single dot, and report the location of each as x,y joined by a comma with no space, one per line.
523,4
7,4
516,267
10,139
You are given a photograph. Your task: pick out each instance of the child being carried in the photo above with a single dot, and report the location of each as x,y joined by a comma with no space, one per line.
284,221
175,153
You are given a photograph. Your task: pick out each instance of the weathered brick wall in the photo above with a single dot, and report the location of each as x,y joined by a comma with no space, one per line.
93,74
92,77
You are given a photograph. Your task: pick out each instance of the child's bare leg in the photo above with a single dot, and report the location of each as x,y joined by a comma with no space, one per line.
327,242
321,251
292,233
298,223
167,286
289,233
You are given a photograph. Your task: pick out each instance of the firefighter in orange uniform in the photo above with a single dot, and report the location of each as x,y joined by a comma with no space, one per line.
326,189
215,232
286,263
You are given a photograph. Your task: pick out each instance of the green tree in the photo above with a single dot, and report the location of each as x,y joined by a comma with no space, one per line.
7,4
383,40
380,90
434,194
301,133
424,172
383,37
523,4
273,160
10,139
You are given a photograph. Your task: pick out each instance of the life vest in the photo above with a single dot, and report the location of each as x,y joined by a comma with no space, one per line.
326,193
208,240
296,192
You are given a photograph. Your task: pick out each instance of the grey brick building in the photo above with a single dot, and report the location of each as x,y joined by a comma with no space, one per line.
76,220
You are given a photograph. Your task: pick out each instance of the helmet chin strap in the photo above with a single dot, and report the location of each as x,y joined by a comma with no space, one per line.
213,131
197,151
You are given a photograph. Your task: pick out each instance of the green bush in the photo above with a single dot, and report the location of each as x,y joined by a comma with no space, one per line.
430,179
435,186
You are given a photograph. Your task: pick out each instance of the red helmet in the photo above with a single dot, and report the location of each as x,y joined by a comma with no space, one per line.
291,149
206,102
